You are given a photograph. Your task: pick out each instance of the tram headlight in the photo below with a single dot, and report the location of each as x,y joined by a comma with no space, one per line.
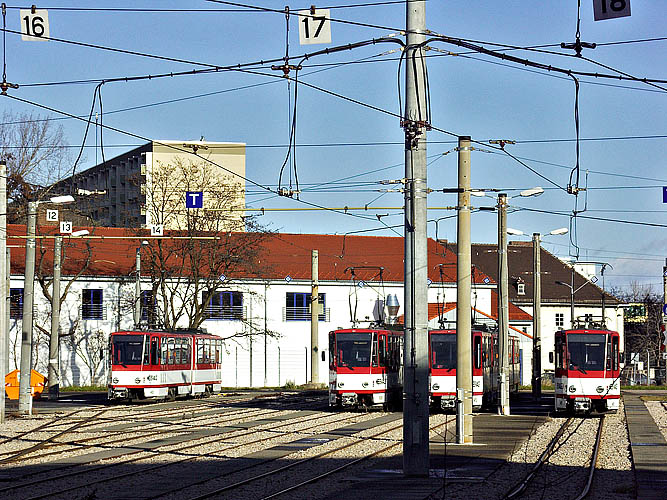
572,388
599,389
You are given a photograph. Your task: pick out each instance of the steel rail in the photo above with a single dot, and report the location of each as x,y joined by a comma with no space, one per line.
594,461
39,445
520,487
154,453
309,459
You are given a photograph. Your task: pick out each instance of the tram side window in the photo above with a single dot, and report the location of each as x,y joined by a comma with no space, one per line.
147,353
187,351
332,350
608,353
200,351
559,353
614,353
170,348
163,351
374,350
155,354
478,352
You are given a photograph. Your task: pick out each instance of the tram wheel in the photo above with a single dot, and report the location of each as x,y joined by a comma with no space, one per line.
171,394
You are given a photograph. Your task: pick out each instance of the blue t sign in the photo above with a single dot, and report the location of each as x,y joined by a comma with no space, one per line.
664,194
194,199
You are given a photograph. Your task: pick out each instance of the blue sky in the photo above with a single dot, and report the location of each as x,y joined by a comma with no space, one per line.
345,149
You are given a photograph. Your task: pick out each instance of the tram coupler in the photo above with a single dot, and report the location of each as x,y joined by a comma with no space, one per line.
582,405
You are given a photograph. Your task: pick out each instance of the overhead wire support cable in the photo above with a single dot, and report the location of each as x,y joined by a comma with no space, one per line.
171,146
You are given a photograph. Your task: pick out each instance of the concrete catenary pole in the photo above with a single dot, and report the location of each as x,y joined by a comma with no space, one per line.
463,289
54,340
503,308
25,396
4,291
537,302
416,397
314,318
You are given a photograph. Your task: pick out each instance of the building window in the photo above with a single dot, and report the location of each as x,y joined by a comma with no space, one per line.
560,320
521,288
297,306
16,303
148,308
92,306
224,305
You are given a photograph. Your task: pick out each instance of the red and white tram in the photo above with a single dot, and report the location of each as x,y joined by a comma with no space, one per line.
163,365
587,370
365,367
485,367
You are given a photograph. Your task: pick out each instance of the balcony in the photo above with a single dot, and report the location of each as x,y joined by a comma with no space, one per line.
229,313
303,314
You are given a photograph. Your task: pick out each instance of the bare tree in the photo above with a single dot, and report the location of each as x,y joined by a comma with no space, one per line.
35,150
209,246
89,346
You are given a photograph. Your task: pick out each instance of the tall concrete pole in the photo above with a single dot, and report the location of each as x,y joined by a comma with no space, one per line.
416,397
314,318
537,303
54,340
503,308
25,396
463,289
4,291
137,290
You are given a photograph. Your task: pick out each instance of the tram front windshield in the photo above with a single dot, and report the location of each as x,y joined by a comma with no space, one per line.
127,349
354,350
586,351
443,351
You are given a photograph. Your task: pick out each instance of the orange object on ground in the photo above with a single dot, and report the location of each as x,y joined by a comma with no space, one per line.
12,379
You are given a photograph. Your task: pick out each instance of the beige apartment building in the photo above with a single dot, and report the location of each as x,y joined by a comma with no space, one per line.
148,185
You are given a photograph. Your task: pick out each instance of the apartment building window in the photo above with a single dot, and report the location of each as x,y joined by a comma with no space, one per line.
16,303
560,320
224,305
297,306
148,308
92,305
521,289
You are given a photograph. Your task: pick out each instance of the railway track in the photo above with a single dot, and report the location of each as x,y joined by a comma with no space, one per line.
538,483
181,452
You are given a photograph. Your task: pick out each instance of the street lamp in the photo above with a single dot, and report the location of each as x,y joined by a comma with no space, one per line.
25,396
536,382
572,292
503,300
